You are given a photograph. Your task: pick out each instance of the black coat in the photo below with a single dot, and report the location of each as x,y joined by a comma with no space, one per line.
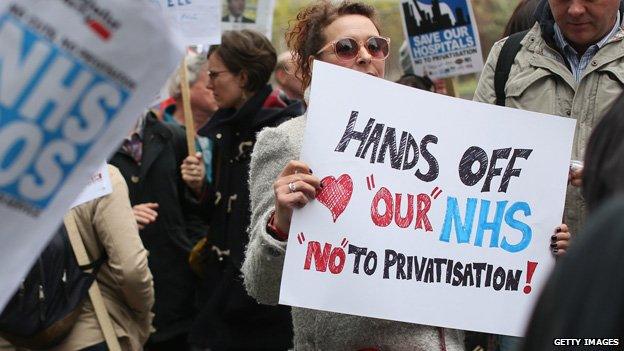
231,318
177,227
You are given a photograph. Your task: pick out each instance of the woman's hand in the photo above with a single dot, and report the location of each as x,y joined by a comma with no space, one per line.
194,172
294,188
560,241
575,175
145,213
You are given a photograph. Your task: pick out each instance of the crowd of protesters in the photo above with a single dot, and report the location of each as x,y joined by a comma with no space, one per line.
194,245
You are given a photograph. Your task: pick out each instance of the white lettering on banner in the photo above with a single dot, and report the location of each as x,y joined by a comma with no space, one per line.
53,106
73,79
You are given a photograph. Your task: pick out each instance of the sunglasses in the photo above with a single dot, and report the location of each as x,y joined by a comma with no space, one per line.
347,49
215,74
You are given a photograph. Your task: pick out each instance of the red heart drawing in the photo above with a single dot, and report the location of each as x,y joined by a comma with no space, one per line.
336,194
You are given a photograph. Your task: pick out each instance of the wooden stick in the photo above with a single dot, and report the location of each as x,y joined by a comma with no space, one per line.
188,113
450,87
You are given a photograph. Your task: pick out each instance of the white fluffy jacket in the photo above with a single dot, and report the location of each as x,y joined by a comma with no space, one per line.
262,269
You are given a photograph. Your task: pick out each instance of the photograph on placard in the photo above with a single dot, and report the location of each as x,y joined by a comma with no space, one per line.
248,14
237,11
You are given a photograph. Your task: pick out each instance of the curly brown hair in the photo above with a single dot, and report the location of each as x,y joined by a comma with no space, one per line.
305,38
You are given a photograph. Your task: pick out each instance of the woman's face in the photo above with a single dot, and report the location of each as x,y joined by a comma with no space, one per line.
202,97
226,86
359,28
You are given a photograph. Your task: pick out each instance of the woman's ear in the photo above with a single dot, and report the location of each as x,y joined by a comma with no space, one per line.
243,78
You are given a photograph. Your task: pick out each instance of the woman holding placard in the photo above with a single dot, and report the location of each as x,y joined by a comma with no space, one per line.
345,34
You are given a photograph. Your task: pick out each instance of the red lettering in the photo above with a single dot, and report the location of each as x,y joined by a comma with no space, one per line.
320,258
385,219
403,222
337,253
423,206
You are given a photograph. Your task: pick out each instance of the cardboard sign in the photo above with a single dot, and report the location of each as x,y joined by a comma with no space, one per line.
99,185
74,76
442,37
248,14
434,210
197,22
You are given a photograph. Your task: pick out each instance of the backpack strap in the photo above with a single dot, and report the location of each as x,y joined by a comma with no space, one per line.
94,291
505,61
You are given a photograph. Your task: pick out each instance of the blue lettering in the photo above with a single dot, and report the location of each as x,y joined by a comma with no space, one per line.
516,224
494,226
53,107
464,230
18,63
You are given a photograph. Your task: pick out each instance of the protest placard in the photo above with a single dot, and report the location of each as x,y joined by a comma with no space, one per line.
197,22
99,184
442,37
248,14
74,77
434,210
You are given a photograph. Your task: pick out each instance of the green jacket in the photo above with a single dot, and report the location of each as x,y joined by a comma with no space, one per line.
540,81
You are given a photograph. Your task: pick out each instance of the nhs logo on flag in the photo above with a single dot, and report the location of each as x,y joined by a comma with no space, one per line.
53,107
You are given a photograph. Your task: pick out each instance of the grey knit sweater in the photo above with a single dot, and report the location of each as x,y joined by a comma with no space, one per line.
262,269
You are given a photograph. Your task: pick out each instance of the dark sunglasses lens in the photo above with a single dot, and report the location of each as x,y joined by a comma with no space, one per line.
378,47
346,49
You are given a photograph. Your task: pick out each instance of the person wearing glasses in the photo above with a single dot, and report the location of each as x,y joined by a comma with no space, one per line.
346,34
239,70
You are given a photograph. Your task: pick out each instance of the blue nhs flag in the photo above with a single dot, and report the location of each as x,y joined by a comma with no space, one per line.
53,107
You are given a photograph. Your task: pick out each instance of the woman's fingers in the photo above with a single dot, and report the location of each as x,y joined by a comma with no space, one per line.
560,241
145,213
295,167
141,219
295,186
293,200
298,178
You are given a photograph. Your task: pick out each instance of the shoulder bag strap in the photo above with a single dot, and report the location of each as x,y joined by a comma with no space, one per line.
94,291
505,61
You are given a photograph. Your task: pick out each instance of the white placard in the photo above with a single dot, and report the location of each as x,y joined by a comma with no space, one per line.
74,76
197,22
255,14
99,185
396,236
442,37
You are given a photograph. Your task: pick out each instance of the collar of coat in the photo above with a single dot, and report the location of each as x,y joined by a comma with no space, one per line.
265,108
545,18
156,127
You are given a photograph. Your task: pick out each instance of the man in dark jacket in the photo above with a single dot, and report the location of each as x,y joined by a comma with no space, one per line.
169,223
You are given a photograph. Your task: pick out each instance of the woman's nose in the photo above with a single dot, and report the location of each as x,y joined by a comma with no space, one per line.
364,56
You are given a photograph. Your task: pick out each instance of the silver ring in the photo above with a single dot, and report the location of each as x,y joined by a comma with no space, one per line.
292,187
